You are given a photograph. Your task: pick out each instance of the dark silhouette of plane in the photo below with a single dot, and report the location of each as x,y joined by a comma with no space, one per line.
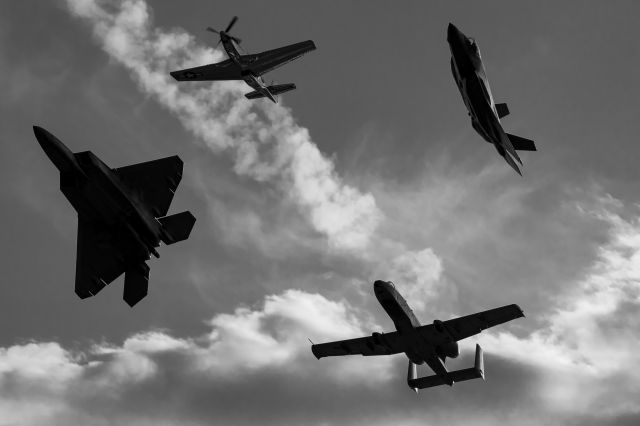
121,215
430,344
469,73
247,67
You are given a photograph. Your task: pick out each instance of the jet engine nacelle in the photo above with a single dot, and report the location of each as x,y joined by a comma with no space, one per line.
439,325
449,350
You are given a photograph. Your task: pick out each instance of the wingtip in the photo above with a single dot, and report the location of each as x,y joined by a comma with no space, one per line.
522,315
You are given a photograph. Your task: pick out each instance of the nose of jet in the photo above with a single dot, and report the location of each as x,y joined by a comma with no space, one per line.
453,33
57,152
47,141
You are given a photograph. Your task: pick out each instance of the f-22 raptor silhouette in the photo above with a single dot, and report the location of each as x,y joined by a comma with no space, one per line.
121,215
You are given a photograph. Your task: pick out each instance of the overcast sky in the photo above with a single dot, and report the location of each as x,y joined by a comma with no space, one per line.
369,170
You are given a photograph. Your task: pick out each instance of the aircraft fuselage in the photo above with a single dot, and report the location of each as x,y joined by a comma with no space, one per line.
255,81
418,349
469,74
97,194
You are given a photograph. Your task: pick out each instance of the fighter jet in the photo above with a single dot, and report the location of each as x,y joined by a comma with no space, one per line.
121,215
249,68
430,344
469,74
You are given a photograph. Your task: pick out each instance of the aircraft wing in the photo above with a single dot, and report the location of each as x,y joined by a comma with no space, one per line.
384,344
470,325
261,63
225,70
98,262
153,182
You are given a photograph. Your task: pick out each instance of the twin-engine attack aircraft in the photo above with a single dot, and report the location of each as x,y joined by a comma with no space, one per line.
247,67
431,343
469,73
121,215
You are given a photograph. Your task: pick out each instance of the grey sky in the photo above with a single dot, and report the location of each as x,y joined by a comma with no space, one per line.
221,338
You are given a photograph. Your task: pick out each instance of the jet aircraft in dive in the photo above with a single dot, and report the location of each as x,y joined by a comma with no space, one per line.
122,215
249,68
430,344
469,74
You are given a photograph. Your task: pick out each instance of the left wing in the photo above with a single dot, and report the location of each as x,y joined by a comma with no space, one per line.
153,182
261,63
376,344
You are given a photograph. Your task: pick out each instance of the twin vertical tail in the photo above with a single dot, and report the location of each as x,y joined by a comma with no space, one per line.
475,372
412,375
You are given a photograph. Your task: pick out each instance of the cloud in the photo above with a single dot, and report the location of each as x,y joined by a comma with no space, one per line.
417,275
112,383
264,140
562,372
586,351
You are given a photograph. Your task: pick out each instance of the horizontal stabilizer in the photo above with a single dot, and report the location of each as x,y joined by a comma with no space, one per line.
521,144
475,372
136,284
176,227
274,90
502,110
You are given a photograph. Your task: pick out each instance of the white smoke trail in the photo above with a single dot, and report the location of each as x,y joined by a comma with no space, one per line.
265,140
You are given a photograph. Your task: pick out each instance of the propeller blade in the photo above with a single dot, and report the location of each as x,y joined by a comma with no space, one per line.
236,39
231,24
212,30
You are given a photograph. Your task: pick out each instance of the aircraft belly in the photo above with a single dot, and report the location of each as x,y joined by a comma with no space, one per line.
102,199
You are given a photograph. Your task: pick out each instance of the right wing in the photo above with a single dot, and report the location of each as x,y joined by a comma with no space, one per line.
382,344
225,70
263,62
470,325
98,262
153,182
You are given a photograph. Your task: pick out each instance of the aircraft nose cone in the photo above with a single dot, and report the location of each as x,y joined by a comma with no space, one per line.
57,152
43,137
452,32
380,285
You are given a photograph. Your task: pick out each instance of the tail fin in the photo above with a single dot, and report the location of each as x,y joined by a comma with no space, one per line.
276,89
475,372
502,110
176,227
521,144
411,376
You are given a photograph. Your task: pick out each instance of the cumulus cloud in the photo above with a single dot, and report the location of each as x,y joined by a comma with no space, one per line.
264,139
418,275
241,346
579,365
586,351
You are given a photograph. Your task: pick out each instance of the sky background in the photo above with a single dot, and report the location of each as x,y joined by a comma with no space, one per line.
369,170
